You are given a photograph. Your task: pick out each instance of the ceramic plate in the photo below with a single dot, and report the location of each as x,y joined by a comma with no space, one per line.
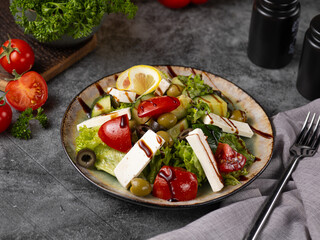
261,144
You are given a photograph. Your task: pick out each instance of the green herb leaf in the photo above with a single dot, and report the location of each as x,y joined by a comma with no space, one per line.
195,86
76,18
21,128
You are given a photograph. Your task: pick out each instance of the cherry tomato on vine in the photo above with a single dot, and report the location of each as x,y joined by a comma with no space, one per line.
16,54
29,91
175,3
228,159
5,115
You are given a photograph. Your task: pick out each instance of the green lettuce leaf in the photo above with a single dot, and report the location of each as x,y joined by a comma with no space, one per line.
88,138
184,152
107,158
197,111
195,86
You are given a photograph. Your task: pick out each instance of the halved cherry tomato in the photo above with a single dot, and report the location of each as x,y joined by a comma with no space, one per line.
228,159
5,115
175,3
116,133
16,54
157,105
29,91
175,184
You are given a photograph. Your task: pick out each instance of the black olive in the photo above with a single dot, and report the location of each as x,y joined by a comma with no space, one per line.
184,134
142,129
155,126
114,102
86,158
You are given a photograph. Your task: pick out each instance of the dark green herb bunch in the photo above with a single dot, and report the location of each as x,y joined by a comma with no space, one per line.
48,20
21,128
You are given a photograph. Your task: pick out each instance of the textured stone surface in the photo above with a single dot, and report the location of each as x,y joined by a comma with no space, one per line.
43,196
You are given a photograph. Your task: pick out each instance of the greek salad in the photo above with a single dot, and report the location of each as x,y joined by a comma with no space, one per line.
165,136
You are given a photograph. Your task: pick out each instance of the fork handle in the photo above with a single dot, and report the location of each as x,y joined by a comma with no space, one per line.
270,202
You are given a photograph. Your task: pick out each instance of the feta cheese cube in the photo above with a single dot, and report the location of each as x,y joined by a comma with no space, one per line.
228,125
199,144
138,158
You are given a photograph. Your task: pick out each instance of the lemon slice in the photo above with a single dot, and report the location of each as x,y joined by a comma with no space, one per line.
123,82
143,79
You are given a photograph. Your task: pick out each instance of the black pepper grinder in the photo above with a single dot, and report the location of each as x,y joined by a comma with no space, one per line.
308,82
273,30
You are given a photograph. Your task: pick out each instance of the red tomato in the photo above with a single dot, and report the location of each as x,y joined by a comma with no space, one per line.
29,91
5,115
199,1
116,133
175,3
157,105
175,184
228,159
18,55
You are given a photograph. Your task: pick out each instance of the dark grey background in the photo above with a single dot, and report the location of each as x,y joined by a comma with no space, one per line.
43,196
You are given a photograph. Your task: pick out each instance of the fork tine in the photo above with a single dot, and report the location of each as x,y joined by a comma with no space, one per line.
315,141
307,136
302,131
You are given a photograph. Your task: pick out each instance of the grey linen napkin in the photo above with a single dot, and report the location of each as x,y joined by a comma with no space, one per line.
297,213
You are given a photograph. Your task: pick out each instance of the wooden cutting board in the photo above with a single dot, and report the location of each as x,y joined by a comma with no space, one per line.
49,61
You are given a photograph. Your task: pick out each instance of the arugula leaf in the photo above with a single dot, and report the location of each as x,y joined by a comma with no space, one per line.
212,132
21,128
76,18
194,86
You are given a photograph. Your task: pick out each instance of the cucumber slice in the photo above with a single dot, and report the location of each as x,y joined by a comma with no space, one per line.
178,128
182,110
176,80
217,104
102,106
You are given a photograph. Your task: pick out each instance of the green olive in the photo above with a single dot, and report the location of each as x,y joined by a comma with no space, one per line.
86,158
166,136
167,120
239,115
140,187
174,90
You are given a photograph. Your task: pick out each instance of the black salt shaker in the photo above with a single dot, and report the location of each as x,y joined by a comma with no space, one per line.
308,82
272,34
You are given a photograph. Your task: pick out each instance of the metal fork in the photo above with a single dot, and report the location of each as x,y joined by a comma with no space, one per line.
306,145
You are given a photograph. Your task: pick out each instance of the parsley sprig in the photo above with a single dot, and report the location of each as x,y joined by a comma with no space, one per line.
21,128
54,18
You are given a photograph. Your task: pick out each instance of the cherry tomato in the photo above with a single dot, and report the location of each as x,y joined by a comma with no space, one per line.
116,133
5,115
16,54
29,91
175,3
199,1
157,105
228,159
175,184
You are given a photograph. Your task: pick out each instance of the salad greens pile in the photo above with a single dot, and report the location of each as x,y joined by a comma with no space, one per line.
181,153
54,18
